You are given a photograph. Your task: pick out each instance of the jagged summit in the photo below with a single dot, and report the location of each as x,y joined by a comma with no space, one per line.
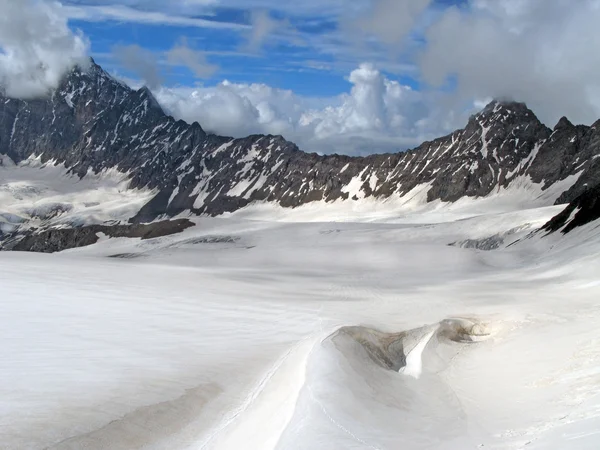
96,122
563,123
502,110
145,91
581,211
510,105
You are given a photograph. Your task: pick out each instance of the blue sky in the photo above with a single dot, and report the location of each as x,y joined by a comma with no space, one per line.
309,53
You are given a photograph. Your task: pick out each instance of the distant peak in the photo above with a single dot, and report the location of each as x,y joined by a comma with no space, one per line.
93,65
145,93
145,90
500,110
563,123
87,66
506,105
491,105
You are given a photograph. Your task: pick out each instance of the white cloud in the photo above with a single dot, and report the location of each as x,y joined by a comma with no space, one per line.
37,47
187,12
378,114
235,109
195,7
370,107
124,13
542,52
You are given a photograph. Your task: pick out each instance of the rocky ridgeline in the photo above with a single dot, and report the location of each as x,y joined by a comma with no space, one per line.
94,121
59,239
581,211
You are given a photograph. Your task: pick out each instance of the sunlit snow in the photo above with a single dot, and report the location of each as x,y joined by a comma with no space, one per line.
344,326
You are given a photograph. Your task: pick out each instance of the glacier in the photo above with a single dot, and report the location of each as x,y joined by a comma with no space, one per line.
350,326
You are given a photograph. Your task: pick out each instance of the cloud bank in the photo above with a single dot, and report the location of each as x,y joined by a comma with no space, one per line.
378,114
37,47
542,52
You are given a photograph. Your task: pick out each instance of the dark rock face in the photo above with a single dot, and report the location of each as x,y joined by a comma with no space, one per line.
491,151
569,150
581,211
56,240
492,242
93,122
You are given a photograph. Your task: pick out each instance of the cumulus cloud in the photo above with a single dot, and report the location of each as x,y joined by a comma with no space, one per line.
378,114
37,48
542,52
235,109
372,106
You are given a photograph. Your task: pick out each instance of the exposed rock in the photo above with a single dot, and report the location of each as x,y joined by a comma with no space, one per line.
491,242
59,239
486,244
210,240
581,211
392,351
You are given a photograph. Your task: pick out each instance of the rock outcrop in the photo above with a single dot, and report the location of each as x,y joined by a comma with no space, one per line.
59,239
582,210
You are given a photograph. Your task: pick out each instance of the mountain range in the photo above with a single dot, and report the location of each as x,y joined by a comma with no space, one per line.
93,122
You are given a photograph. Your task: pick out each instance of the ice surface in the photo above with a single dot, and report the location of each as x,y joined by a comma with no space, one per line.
38,192
230,334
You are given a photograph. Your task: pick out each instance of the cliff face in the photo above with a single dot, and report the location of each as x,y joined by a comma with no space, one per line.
581,211
95,122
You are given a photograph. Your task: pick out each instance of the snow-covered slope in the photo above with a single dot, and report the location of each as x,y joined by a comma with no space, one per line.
35,193
258,334
366,324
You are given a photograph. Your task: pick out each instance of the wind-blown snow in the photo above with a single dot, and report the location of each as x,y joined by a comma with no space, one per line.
414,359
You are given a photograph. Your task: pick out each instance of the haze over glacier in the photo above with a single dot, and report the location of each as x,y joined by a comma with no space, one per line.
166,286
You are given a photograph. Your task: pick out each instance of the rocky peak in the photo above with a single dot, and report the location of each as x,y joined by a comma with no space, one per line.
504,112
498,144
144,94
563,124
502,126
582,210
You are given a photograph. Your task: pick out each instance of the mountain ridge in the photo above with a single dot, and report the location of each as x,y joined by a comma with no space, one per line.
94,122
